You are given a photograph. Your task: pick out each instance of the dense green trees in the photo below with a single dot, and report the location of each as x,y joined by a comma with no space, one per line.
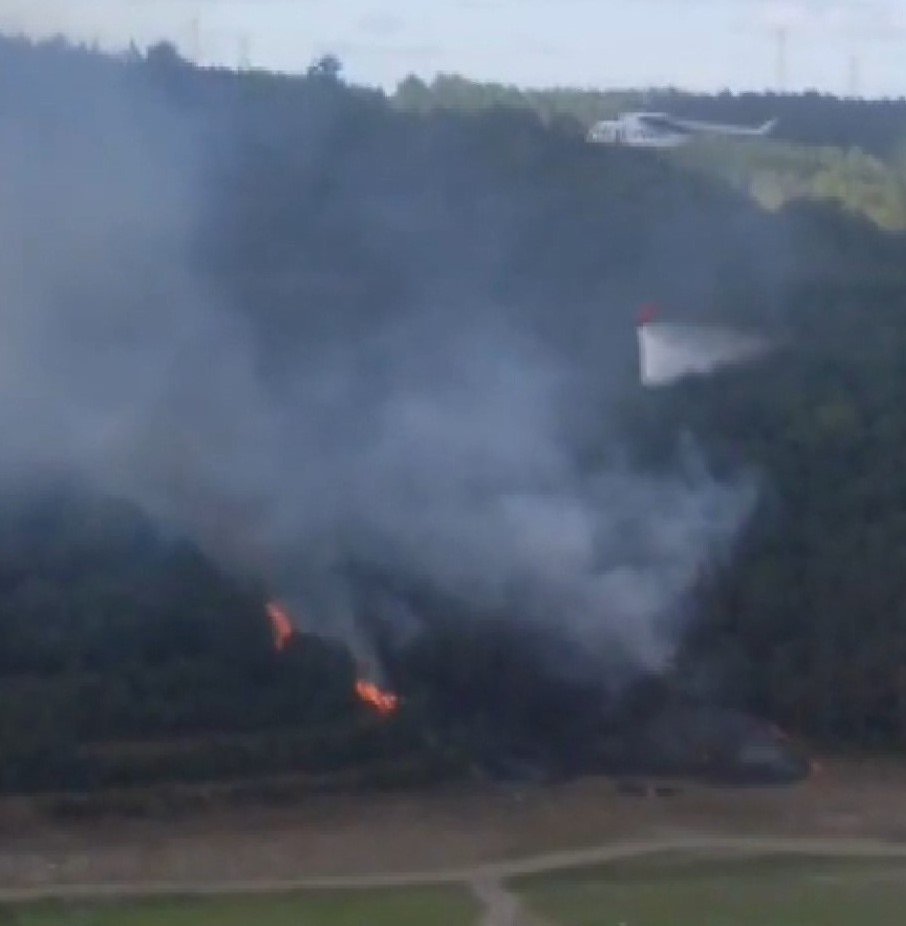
109,633
876,126
327,210
825,148
806,622
776,173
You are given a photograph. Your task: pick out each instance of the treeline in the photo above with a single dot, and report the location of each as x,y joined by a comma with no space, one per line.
875,126
775,174
851,152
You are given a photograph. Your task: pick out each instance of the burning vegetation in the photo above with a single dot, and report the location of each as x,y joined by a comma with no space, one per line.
281,625
230,688
462,443
383,703
490,687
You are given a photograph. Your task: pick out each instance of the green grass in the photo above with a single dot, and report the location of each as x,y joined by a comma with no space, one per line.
689,890
414,907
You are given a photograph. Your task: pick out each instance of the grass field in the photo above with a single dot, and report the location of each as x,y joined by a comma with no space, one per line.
689,890
414,907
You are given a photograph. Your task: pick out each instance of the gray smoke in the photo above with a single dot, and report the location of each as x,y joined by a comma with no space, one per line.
435,445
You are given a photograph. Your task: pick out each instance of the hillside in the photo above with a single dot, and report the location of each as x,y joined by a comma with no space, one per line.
277,337
850,152
775,174
875,126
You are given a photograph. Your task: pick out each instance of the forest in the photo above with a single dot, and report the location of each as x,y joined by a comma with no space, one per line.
135,645
847,151
820,120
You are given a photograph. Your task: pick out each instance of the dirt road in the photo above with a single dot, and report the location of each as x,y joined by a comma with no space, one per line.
500,906
470,836
486,881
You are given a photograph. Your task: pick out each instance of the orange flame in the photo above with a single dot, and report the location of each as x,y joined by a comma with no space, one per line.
385,703
281,624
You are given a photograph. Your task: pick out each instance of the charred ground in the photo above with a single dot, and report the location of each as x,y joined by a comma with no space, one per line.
321,217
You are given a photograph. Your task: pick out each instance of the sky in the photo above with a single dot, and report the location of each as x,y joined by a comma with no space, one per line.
839,46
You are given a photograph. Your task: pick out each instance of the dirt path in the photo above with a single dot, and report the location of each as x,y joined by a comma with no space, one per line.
459,835
500,905
487,881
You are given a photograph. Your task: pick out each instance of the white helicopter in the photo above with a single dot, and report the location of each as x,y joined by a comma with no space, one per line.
659,130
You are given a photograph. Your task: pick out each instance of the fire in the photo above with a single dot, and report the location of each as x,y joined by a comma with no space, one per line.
384,703
281,624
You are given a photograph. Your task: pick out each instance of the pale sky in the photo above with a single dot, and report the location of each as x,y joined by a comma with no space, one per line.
831,45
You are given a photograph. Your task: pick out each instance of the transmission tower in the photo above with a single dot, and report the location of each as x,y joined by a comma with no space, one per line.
245,51
781,38
195,39
854,77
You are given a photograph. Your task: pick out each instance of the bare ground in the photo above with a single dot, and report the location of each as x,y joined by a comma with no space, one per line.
478,836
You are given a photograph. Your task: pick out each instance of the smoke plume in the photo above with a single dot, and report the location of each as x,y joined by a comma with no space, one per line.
438,442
